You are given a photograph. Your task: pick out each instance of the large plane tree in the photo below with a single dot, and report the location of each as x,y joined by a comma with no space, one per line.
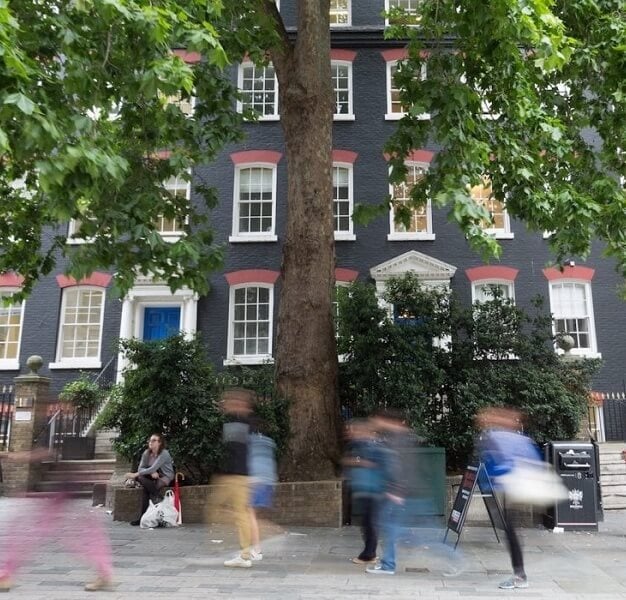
88,131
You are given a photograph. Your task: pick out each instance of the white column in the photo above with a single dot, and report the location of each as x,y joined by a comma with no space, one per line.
190,316
126,332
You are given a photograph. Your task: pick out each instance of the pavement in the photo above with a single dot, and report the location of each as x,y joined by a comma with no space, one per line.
310,563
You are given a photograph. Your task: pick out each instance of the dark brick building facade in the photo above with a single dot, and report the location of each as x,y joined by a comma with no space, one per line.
237,318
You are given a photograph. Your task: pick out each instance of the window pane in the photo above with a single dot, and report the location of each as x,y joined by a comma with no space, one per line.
419,219
483,195
252,321
256,198
341,87
570,310
410,7
258,89
339,12
81,330
341,198
10,328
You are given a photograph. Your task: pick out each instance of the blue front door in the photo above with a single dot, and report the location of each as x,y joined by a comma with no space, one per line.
160,322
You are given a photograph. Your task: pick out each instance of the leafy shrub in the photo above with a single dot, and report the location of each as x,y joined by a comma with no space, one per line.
441,363
82,393
169,388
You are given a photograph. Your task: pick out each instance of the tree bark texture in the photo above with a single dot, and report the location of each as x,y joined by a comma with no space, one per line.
306,354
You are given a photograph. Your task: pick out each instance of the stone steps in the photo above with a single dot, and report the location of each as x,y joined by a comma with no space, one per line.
73,494
104,441
77,477
96,475
79,465
613,476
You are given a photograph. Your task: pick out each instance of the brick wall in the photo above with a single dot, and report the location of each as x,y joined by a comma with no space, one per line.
307,504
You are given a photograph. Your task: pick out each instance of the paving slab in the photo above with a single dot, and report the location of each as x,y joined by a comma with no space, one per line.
309,563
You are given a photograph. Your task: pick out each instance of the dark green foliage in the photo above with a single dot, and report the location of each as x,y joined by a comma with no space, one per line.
82,393
169,388
440,363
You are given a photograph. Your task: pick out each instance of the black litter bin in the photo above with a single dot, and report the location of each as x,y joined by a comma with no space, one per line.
575,463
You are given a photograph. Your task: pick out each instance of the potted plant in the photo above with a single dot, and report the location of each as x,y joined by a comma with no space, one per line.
83,395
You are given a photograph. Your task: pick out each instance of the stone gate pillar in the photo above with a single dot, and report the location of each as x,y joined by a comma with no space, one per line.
29,419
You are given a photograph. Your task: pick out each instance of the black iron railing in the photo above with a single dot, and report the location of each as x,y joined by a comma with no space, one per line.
614,412
7,403
68,422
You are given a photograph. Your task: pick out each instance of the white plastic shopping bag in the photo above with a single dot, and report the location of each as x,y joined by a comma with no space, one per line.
533,482
150,518
168,513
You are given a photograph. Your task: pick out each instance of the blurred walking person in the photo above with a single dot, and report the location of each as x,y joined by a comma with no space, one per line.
395,436
32,526
233,485
364,469
499,446
262,472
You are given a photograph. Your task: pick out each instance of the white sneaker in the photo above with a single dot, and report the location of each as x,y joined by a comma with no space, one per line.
238,561
514,582
378,570
254,555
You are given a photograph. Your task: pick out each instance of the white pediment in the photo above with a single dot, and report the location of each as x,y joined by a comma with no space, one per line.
425,267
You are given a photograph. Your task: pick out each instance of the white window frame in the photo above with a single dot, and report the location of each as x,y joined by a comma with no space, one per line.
335,304
348,23
397,236
275,116
396,116
504,233
592,350
178,183
80,362
349,116
507,283
13,364
388,8
345,235
248,359
72,230
259,236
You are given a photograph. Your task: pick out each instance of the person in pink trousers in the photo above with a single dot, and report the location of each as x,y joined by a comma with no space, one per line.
44,522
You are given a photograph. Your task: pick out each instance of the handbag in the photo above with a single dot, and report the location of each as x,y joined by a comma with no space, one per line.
532,482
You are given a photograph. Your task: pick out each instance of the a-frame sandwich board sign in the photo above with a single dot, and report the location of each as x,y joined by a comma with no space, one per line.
475,482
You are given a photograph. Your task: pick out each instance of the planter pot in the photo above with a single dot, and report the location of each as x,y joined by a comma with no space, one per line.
78,448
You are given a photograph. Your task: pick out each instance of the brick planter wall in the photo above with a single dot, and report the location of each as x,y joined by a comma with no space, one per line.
305,503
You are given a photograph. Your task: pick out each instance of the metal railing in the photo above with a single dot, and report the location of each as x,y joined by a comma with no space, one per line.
7,405
68,422
106,380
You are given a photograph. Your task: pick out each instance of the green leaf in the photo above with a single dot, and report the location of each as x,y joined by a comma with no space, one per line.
25,104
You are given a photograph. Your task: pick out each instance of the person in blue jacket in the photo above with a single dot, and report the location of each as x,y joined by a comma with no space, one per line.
499,446
363,464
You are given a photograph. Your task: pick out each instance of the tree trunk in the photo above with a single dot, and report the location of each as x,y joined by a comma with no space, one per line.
306,355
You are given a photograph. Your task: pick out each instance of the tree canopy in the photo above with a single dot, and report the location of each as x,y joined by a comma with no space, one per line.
525,95
90,128
531,95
